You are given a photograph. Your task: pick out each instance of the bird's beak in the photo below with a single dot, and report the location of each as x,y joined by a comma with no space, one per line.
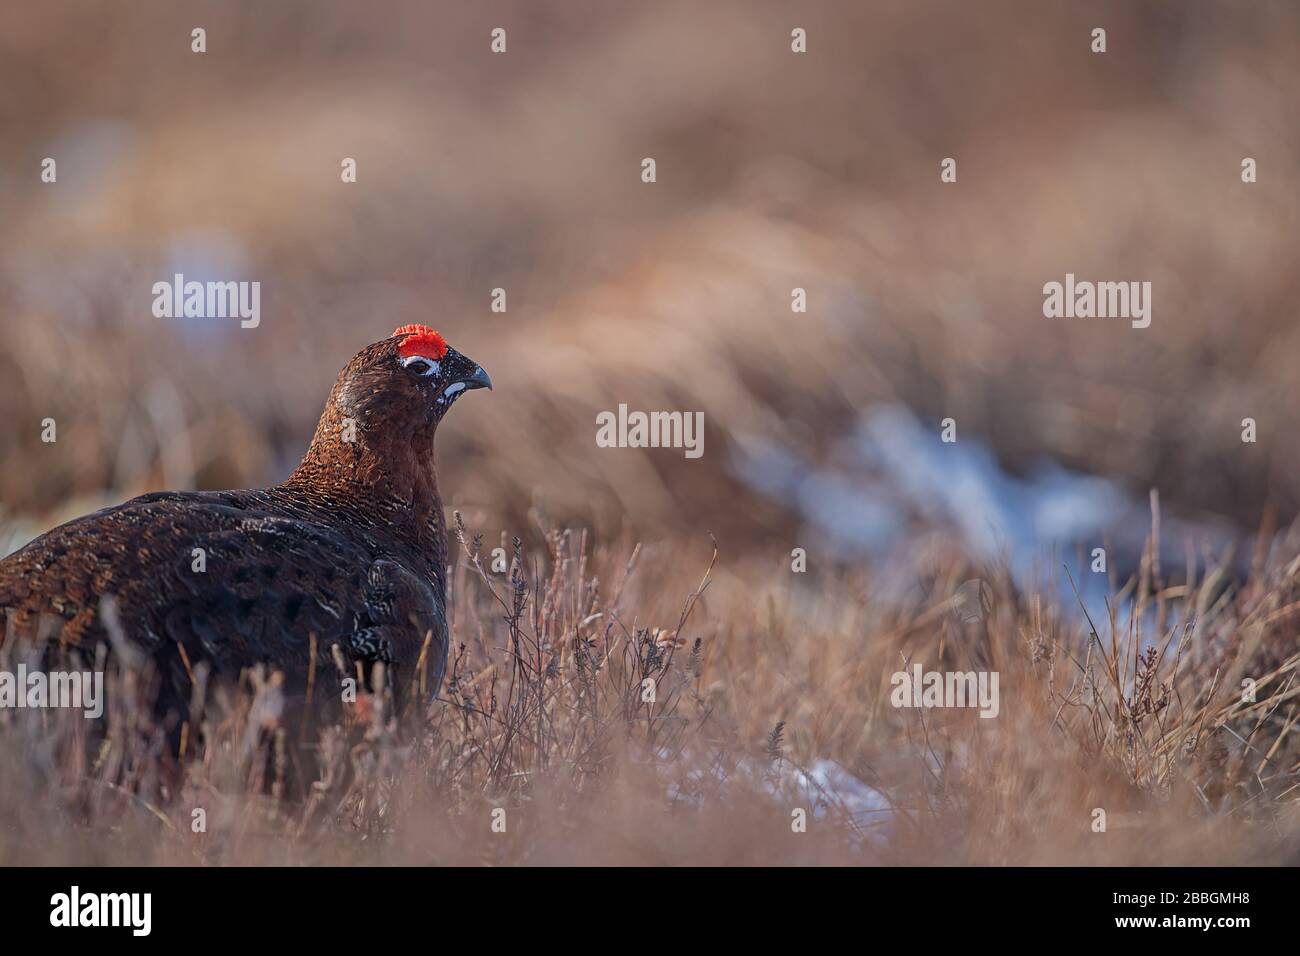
477,379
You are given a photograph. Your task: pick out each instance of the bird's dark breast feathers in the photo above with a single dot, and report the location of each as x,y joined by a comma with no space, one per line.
235,579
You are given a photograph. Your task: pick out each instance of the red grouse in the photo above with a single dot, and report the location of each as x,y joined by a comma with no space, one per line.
350,549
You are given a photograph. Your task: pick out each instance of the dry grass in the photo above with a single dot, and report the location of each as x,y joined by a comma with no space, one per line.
543,716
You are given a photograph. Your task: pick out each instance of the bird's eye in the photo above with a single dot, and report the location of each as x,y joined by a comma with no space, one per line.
420,365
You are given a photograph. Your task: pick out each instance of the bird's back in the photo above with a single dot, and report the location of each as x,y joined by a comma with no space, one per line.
233,579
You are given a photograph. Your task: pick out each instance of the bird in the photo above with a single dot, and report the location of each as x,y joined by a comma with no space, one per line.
337,568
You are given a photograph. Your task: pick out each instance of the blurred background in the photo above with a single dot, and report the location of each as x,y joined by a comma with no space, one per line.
775,171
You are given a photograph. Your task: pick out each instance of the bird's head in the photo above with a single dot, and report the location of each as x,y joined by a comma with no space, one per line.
406,382
379,422
433,373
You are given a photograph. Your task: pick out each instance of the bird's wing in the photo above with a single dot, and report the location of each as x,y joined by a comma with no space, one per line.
226,583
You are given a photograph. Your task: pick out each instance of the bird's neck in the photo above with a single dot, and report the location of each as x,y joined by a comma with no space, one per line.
393,481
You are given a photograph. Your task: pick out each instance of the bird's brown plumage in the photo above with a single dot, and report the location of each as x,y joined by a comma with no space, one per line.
350,548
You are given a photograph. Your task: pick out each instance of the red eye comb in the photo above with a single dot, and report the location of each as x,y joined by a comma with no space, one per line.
421,340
